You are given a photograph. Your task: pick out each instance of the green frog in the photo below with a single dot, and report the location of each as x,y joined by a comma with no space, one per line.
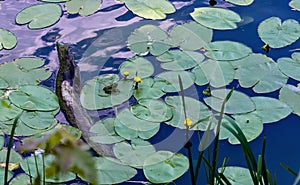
111,89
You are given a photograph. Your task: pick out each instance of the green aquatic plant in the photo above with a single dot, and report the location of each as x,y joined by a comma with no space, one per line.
7,39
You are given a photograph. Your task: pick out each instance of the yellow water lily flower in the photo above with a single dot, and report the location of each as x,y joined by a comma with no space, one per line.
188,122
137,79
126,73
266,48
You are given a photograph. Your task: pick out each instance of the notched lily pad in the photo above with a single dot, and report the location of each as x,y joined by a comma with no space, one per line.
40,15
84,8
7,39
290,95
237,175
171,77
290,66
150,89
137,66
39,120
8,111
295,4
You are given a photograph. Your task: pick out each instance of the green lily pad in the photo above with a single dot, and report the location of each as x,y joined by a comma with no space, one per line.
278,34
2,171
216,18
270,109
14,158
291,96
111,171
8,111
148,38
40,15
29,163
24,71
150,89
237,175
290,66
241,2
165,166
217,74
104,132
7,39
1,140
195,110
20,179
177,60
137,66
3,85
227,50
234,105
93,95
190,36
188,79
34,98
154,9
295,4
151,110
130,134
84,8
260,72
250,124
24,130
54,1
133,154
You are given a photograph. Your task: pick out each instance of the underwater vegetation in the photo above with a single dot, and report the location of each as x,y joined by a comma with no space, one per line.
157,85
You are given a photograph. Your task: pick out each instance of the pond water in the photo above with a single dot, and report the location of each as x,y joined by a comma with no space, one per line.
98,43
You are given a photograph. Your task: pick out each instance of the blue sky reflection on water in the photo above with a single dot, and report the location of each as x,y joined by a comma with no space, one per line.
99,44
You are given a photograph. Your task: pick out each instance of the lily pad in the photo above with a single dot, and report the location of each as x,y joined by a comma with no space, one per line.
152,110
154,9
84,8
137,66
40,15
278,34
39,120
250,124
14,159
241,2
290,66
133,154
104,132
177,60
2,171
190,36
20,179
1,140
295,4
8,111
260,72
217,74
111,171
188,79
165,166
34,98
54,1
291,96
93,95
234,105
7,39
227,50
24,130
216,18
195,110
24,71
148,38
150,89
237,175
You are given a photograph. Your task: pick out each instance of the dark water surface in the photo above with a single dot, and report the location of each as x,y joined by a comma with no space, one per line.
99,44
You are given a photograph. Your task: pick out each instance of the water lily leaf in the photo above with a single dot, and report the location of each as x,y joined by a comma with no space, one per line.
237,175
270,109
34,98
234,105
83,7
148,38
20,179
250,124
190,36
195,110
133,154
40,15
290,66
1,140
241,2
29,163
111,171
295,4
154,9
291,95
104,132
152,110
130,134
137,66
176,60
227,50
24,71
7,39
260,72
8,111
150,89
54,1
165,166
39,120
216,18
188,79
14,159
218,74
24,130
2,171
278,34
105,91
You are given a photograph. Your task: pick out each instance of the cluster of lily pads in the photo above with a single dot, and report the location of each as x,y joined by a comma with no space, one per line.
187,50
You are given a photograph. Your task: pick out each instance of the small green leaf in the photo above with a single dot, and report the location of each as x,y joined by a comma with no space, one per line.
8,111
20,179
39,120
295,4
241,2
137,66
7,39
83,7
150,89
171,77
237,175
290,66
290,95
